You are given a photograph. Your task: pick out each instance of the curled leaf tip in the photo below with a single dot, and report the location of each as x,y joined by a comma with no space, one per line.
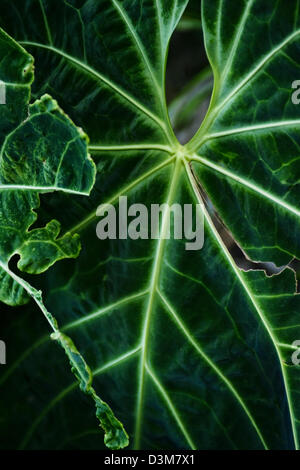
115,435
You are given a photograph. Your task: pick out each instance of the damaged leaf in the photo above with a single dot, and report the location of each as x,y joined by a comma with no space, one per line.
42,151
191,351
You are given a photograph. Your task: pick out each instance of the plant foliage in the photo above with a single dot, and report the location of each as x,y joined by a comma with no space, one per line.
190,351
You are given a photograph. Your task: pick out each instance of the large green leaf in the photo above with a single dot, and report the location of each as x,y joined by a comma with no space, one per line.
191,351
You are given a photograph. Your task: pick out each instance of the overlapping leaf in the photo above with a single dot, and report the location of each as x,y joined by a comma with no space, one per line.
41,151
192,352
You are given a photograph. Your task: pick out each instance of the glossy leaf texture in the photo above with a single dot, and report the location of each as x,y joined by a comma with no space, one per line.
190,351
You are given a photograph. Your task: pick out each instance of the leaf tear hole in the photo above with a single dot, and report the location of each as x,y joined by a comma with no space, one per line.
237,253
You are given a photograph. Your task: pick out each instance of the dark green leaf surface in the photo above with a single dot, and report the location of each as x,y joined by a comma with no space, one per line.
190,351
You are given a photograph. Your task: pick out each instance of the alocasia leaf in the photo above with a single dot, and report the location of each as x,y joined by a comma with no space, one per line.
191,351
